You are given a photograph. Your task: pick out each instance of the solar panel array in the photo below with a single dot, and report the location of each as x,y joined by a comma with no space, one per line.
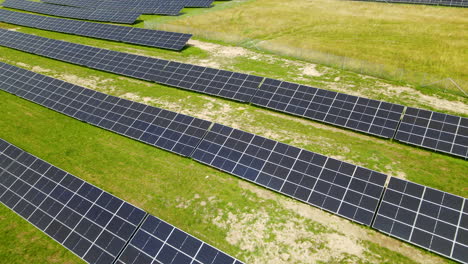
146,37
341,188
455,3
370,116
358,113
433,130
338,187
124,17
429,218
144,6
94,224
168,130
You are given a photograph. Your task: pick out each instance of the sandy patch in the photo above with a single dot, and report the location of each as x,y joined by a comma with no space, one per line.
335,240
311,70
433,101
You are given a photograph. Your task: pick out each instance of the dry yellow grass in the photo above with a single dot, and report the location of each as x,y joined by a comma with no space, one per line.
419,38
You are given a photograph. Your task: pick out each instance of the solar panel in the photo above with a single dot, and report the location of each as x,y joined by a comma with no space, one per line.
124,17
168,130
158,242
237,86
426,217
357,113
146,37
232,85
338,187
436,131
95,225
88,221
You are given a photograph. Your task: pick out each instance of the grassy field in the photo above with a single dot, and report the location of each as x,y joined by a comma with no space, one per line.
256,225
245,220
424,39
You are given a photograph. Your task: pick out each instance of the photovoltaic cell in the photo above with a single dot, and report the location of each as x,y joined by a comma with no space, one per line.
158,242
168,130
95,225
357,113
124,17
429,218
140,36
433,130
88,221
338,187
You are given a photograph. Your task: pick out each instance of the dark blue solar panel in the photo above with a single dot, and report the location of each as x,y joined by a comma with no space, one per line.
426,217
436,131
357,113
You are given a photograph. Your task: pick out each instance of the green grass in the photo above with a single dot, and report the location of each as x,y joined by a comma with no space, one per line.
18,235
419,38
205,202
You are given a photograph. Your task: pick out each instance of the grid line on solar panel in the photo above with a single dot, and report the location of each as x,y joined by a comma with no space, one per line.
153,38
171,131
338,187
47,181
124,17
357,113
91,223
436,131
426,217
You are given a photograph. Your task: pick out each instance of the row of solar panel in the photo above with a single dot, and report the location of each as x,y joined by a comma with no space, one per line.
95,225
366,115
130,4
347,190
124,17
455,3
152,38
433,130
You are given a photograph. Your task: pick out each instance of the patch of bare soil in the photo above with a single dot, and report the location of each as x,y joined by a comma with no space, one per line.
433,101
345,237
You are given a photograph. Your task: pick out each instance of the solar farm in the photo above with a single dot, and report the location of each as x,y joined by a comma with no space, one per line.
241,131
